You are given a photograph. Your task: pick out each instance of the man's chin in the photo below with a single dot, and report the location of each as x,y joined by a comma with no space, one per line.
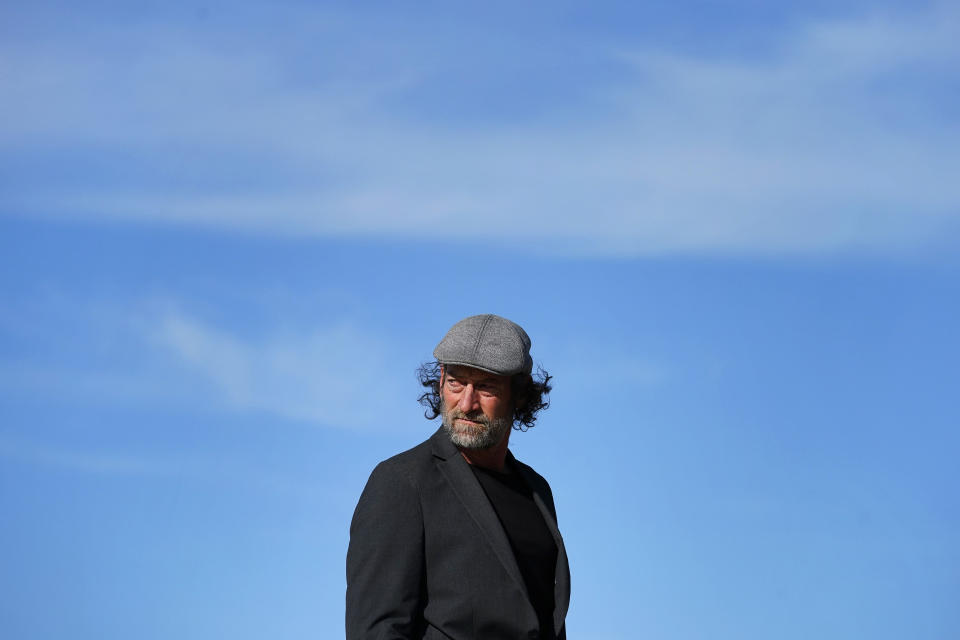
474,439
475,436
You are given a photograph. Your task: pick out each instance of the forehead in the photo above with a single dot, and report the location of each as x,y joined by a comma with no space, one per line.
469,374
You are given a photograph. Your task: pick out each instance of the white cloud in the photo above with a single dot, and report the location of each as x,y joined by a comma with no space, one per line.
836,141
152,353
334,376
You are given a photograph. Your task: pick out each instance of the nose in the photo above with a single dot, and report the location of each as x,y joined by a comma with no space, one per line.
468,399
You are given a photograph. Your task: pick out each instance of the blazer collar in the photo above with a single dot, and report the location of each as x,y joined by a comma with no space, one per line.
442,447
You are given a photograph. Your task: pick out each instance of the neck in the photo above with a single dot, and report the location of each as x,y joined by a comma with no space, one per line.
493,458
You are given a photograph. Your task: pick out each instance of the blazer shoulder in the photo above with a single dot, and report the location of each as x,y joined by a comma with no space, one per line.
407,464
393,486
531,474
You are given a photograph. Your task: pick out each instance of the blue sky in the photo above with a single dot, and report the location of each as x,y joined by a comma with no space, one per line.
229,233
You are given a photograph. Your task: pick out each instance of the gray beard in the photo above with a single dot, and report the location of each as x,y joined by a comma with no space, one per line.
487,434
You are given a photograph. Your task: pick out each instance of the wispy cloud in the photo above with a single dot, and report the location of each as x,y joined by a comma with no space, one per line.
153,352
841,138
332,376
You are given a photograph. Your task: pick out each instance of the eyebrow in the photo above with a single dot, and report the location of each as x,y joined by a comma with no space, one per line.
477,380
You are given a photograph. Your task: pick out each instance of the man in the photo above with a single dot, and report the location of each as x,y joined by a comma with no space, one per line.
455,538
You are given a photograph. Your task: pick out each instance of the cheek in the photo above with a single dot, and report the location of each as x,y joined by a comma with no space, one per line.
448,399
497,408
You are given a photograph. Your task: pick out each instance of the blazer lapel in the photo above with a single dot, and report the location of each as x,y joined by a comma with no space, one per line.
467,488
561,591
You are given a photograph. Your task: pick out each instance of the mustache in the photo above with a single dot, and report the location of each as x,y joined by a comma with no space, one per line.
474,416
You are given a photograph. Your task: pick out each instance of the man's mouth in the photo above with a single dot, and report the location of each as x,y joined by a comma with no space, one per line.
478,422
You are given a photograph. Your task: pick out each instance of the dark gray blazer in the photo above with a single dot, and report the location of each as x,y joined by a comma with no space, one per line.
428,557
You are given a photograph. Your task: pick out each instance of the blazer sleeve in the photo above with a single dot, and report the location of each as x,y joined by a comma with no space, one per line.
385,559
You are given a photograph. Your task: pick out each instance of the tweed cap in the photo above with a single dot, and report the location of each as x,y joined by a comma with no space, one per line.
487,342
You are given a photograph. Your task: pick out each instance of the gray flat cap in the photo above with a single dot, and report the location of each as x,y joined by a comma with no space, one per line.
486,342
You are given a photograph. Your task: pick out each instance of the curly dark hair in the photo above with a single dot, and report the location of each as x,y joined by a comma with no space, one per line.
529,392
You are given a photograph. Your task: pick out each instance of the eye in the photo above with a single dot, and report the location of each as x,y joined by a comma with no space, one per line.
454,385
488,390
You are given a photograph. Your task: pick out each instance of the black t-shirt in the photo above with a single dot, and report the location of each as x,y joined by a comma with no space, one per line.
533,545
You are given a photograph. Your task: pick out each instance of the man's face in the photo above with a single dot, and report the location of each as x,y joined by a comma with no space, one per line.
477,408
